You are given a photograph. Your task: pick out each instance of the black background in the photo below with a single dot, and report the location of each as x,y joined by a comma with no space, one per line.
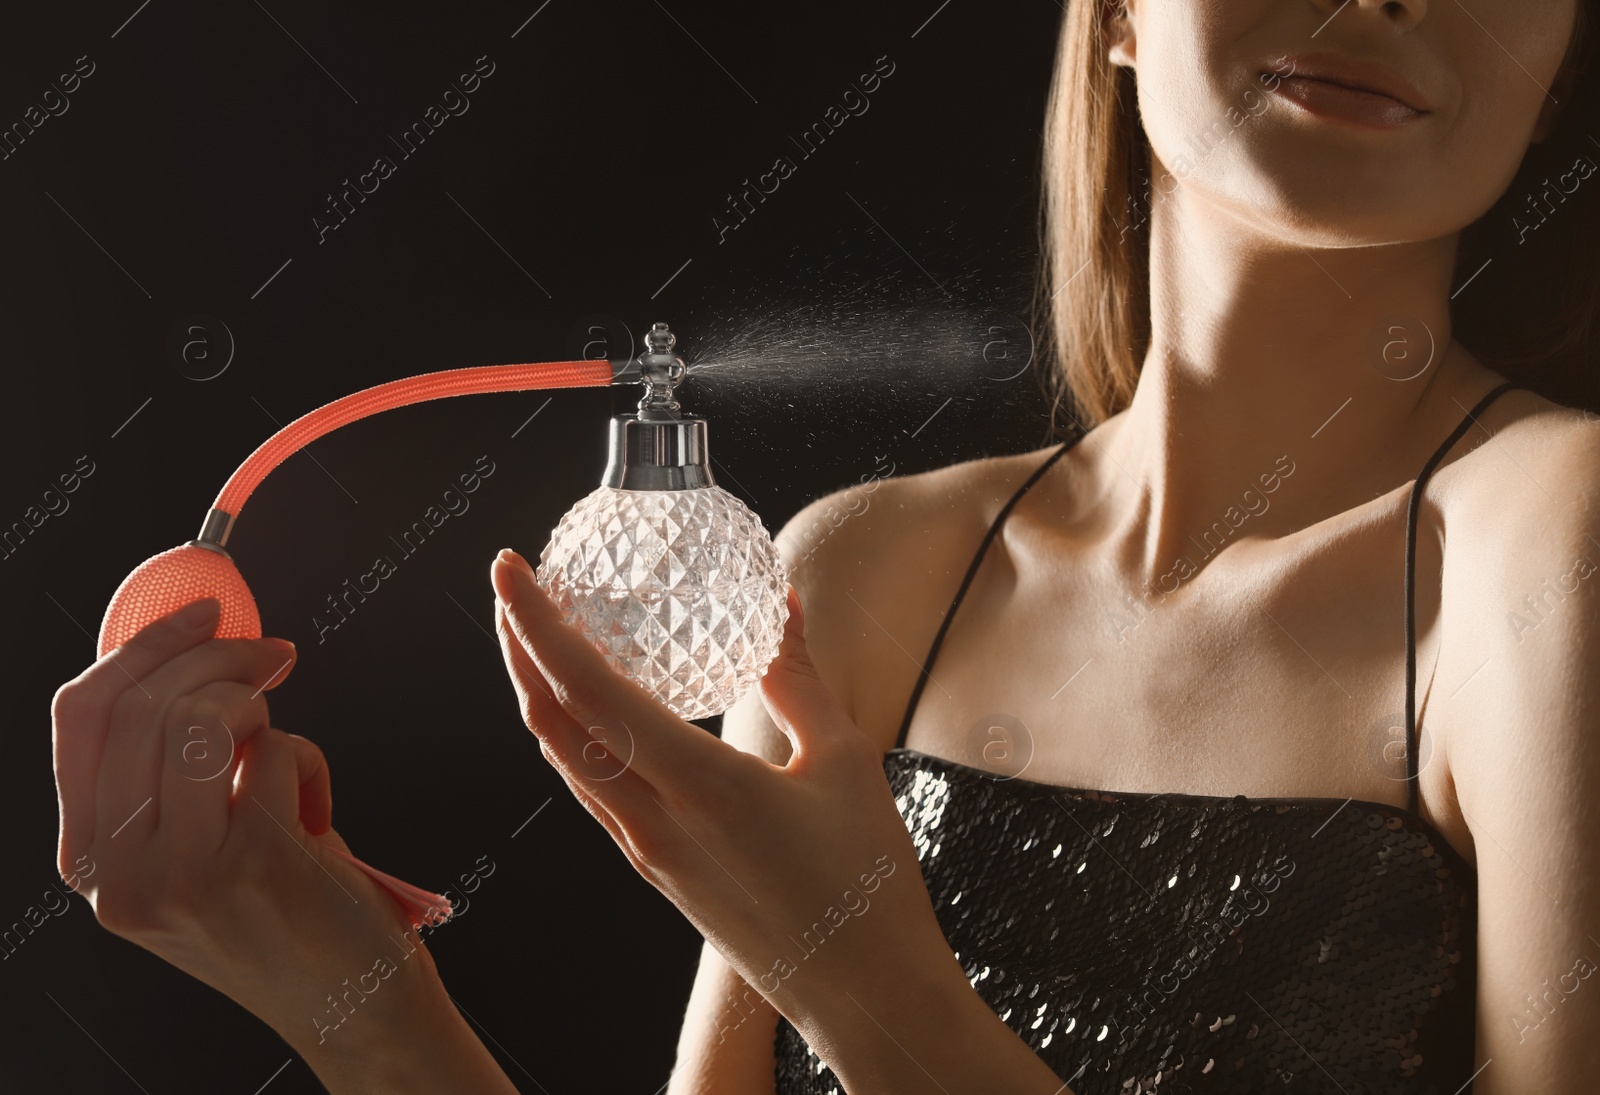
587,170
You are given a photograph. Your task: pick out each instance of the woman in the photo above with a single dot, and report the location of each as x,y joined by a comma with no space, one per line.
1294,532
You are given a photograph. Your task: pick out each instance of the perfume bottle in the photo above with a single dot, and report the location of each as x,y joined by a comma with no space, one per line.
672,578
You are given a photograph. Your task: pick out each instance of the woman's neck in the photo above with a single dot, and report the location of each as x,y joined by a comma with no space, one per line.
1264,352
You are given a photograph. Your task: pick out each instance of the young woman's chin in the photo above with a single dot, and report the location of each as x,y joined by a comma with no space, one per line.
1316,183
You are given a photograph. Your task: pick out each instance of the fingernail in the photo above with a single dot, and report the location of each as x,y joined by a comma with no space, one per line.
506,556
199,613
283,645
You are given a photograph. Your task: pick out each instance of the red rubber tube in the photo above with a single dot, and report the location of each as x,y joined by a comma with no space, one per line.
168,581
399,393
174,578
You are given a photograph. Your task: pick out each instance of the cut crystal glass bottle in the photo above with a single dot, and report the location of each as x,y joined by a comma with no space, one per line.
672,578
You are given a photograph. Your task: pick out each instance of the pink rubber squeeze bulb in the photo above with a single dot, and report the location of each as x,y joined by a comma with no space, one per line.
202,568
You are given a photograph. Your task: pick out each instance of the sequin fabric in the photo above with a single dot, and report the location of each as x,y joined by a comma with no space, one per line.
1145,943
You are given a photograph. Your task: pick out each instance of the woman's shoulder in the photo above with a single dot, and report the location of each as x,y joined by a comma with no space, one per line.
888,516
1519,508
877,564
1527,457
1520,521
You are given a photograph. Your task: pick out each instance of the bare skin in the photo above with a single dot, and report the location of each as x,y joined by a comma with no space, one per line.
1172,691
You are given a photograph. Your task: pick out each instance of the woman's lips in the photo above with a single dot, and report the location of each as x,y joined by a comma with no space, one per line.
1346,104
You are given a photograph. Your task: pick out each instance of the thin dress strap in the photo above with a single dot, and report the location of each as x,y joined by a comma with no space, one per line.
1412,509
972,570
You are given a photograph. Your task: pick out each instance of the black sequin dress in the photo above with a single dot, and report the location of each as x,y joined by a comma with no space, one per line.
1168,943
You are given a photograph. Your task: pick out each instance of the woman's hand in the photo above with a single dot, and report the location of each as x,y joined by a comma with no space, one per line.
204,835
803,877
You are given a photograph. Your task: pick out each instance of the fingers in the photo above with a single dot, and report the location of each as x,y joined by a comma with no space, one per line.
203,735
266,838
81,711
672,772
259,663
665,749
619,833
595,766
538,703
316,791
267,802
132,757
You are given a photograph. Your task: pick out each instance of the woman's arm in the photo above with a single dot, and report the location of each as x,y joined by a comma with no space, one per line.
1517,690
725,1047
418,1045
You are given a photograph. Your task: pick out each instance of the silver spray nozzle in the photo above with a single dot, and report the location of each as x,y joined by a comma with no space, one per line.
659,369
659,448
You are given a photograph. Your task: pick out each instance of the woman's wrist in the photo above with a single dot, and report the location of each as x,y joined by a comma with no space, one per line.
407,1037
